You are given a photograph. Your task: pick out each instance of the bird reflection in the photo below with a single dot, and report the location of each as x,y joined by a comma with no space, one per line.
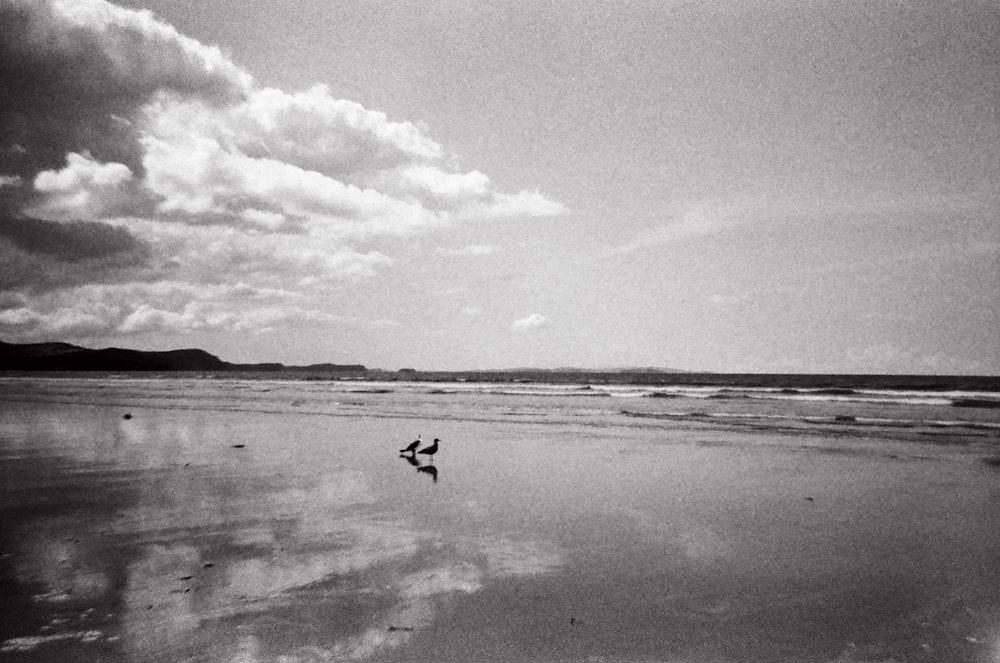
411,459
429,469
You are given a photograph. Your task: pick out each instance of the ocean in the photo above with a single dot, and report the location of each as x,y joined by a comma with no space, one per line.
247,518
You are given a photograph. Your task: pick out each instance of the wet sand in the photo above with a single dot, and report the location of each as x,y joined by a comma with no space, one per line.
198,534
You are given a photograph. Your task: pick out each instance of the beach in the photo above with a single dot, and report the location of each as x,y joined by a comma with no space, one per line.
251,520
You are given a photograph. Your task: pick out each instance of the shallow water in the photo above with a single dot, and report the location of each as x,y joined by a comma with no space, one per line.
241,520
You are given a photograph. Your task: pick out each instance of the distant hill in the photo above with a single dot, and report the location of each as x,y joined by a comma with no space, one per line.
609,369
66,357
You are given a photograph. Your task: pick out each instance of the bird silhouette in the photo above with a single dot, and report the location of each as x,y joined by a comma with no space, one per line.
412,446
431,450
431,470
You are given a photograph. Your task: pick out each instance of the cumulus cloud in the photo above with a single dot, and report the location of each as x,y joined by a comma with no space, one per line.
533,321
161,306
132,155
524,203
71,68
316,131
86,189
467,251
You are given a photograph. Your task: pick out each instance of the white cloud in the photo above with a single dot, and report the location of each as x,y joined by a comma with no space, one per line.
66,321
364,177
524,203
81,170
198,177
316,131
212,180
466,251
84,188
213,316
444,188
170,57
533,321
210,254
163,306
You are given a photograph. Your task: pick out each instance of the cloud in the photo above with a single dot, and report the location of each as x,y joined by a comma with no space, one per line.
701,219
198,173
74,241
466,251
524,203
316,131
445,187
71,68
688,221
86,189
533,321
40,255
132,155
80,172
162,306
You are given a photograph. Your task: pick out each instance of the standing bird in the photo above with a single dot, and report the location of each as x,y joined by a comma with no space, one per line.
431,450
412,447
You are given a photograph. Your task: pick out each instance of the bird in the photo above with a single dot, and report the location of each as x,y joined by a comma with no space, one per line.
431,450
412,447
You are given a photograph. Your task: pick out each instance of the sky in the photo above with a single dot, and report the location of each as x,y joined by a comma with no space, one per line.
760,186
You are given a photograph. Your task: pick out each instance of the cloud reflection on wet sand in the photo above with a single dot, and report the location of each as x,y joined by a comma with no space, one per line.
210,551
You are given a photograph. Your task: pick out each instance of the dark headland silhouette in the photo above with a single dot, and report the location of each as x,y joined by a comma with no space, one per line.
67,357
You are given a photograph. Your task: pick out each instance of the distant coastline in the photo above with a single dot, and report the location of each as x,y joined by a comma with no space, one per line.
64,357
72,360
